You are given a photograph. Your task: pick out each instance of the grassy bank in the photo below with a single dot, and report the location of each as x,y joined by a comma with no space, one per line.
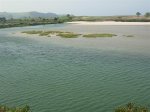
112,18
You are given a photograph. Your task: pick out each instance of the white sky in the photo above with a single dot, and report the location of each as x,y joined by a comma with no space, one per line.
77,7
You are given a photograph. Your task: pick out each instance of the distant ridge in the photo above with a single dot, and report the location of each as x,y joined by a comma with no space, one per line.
32,14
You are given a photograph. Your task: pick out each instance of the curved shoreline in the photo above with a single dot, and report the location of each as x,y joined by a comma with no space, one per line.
108,23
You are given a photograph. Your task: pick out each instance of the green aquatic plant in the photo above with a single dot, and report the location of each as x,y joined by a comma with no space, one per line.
44,33
53,32
99,35
68,35
32,32
57,33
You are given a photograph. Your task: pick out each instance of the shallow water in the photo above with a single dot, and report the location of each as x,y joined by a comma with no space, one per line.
57,75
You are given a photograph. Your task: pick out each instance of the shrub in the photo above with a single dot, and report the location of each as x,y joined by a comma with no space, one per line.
131,107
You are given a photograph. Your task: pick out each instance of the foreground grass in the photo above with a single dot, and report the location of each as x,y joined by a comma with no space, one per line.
14,109
99,35
131,107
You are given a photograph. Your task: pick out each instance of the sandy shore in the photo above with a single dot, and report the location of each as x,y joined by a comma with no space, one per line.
108,23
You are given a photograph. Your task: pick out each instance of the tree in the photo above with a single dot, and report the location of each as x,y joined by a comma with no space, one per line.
138,14
147,14
69,16
56,19
2,19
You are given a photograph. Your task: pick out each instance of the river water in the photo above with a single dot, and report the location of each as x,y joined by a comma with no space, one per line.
75,75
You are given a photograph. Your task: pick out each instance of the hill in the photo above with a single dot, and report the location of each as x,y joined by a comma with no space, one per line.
27,15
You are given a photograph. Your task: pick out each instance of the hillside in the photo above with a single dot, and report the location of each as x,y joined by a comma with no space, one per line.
27,15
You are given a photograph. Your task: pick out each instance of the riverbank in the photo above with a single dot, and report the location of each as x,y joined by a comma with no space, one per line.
11,24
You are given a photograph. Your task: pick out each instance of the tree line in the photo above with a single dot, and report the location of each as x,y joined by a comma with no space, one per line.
6,23
147,14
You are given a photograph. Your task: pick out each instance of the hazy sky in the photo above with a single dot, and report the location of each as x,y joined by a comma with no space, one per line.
77,7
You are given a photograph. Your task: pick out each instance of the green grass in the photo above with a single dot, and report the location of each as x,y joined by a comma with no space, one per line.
68,35
57,33
32,32
99,35
64,34
44,33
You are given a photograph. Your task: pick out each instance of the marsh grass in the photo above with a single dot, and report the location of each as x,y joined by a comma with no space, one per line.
32,32
68,34
44,33
50,33
99,35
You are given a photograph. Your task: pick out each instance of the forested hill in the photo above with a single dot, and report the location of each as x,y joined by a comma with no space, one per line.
33,14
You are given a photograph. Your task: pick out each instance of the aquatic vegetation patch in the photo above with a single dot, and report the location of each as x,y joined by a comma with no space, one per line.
99,35
44,33
32,32
56,33
64,34
68,35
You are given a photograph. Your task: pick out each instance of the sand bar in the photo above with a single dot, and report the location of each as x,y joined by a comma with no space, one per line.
108,23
